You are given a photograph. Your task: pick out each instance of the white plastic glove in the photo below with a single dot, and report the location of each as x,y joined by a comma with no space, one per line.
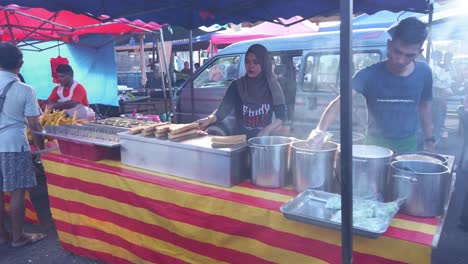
316,138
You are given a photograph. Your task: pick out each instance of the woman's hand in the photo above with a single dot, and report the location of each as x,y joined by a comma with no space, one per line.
277,124
206,122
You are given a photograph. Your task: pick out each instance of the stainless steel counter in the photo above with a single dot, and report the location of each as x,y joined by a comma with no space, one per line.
193,158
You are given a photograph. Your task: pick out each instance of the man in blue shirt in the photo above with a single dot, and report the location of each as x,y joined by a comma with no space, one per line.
398,93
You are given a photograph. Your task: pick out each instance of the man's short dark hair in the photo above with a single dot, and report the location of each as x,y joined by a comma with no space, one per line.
11,56
410,30
64,69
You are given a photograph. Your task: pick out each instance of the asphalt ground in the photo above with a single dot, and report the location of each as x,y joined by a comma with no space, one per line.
452,247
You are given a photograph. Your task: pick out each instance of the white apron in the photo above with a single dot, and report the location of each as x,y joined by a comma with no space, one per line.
82,112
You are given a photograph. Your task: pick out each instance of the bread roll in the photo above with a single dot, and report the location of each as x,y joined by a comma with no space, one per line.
179,128
183,134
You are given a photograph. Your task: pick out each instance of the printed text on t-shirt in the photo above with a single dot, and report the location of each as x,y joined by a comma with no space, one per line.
256,118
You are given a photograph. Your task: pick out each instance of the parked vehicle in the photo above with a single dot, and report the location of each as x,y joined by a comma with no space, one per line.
306,66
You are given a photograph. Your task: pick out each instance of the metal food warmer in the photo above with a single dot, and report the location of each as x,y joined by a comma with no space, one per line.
192,158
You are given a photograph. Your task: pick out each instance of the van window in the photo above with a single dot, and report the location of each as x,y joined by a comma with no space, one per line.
321,73
309,73
327,73
362,60
219,73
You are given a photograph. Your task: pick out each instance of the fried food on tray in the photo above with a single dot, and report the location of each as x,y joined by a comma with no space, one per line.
182,134
179,128
237,139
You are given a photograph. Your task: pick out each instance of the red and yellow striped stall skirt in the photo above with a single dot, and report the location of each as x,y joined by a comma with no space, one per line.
120,214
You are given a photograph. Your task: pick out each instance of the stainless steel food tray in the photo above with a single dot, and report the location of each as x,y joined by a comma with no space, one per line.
92,141
309,207
192,158
111,129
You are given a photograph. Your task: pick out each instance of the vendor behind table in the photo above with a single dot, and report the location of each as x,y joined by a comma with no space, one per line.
398,93
69,95
255,97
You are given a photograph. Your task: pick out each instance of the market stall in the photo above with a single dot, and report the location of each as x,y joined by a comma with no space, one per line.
122,214
206,14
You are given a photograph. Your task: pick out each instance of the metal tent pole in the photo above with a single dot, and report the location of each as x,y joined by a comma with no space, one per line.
192,99
169,78
346,11
155,41
191,50
429,36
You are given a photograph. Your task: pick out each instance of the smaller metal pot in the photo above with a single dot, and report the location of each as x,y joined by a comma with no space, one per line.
270,160
424,185
314,168
414,156
371,165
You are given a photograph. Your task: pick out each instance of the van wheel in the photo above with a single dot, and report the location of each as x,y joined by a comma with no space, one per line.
216,130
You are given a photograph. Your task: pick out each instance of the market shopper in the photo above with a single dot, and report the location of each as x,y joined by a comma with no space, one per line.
186,69
69,95
18,110
254,98
398,93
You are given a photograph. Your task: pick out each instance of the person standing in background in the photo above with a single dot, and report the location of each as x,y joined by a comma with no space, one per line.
20,111
197,66
186,69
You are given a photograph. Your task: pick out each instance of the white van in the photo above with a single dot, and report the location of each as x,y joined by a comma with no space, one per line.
306,67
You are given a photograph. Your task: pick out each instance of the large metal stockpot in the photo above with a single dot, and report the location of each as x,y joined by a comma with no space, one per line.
270,156
424,185
371,166
314,168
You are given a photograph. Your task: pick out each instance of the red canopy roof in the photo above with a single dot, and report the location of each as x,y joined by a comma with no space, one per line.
265,30
21,23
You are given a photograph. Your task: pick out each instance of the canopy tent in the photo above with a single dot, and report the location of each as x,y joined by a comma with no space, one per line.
91,54
382,19
266,29
23,23
95,68
449,23
191,14
194,13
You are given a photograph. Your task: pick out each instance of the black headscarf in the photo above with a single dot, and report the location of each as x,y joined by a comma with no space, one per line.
254,90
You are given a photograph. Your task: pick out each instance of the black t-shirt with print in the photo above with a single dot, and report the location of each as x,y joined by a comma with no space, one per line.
251,118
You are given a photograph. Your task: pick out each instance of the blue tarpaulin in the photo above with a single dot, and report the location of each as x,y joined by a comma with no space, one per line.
94,68
195,13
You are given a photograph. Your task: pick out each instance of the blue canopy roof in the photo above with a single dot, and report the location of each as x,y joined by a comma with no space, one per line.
195,13
382,19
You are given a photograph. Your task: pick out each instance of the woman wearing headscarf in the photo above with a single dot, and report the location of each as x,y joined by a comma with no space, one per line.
254,98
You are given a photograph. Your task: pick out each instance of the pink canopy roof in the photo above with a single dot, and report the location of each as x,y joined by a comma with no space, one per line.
21,23
265,30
